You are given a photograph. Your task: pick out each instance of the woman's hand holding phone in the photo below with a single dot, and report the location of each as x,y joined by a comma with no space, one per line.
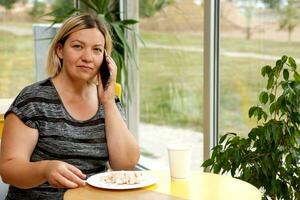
107,92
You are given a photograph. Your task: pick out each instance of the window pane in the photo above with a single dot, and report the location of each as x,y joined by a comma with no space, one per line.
171,75
250,38
16,50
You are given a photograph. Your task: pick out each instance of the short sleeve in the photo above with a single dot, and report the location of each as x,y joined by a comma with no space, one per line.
120,107
23,109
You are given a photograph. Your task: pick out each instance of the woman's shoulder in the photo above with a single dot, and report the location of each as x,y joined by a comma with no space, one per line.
30,101
42,88
37,86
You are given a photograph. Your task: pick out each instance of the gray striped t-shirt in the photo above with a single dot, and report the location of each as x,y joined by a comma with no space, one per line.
61,137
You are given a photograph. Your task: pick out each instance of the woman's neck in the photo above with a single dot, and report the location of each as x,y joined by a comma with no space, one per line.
66,84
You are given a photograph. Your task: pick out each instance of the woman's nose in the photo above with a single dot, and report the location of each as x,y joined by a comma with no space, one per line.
87,55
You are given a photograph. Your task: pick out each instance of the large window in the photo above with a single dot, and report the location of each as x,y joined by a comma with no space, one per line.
171,78
253,34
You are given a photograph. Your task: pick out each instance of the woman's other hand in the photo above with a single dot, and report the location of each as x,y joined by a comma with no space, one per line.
60,174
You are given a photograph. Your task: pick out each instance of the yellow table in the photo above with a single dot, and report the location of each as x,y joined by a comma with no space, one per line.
200,186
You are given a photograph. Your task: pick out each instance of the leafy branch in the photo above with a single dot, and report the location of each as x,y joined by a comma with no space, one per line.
269,157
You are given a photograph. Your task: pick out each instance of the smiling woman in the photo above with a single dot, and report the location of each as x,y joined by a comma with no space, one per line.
66,128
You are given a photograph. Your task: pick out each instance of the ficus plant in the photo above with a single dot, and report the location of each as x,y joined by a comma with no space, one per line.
269,157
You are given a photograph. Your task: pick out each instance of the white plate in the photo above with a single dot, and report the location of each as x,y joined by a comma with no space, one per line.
97,181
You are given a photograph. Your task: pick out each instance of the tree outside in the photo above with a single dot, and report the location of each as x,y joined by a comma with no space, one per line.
147,8
38,10
8,4
289,17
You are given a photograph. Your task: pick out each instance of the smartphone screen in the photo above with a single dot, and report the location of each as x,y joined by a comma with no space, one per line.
104,71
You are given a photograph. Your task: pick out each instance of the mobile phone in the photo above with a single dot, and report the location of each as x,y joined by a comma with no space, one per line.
104,71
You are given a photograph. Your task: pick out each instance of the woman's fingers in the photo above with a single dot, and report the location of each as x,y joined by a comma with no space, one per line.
77,172
56,184
65,182
112,66
75,175
64,175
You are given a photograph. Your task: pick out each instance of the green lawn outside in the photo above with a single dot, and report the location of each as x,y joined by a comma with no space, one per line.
17,63
274,48
172,89
22,25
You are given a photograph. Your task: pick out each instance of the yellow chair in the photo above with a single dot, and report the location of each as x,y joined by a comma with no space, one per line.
118,90
1,124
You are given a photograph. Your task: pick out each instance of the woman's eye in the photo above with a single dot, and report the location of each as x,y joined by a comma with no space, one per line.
98,50
77,46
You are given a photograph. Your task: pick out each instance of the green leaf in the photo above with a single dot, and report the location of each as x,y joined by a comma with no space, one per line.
276,71
272,108
296,76
279,64
263,97
217,169
292,63
265,116
286,74
276,134
271,97
266,70
247,174
102,5
260,113
129,21
264,169
270,82
253,133
284,59
237,156
207,163
216,151
223,138
91,5
288,160
268,135
252,111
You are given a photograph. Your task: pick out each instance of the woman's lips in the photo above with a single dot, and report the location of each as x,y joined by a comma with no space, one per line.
86,67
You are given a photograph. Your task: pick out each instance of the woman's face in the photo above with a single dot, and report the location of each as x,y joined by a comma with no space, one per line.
82,53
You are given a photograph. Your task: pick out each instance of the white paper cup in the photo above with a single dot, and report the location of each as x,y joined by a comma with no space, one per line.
179,160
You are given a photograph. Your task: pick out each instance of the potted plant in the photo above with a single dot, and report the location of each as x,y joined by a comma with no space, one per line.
269,158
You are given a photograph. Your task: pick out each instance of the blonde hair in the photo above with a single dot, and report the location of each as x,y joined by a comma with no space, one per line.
71,25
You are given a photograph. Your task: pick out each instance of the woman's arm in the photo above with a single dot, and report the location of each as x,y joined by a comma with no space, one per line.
17,145
122,147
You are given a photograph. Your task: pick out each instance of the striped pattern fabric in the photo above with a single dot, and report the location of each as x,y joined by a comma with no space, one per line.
61,137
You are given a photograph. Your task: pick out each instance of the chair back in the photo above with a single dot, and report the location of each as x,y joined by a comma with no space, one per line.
1,124
118,90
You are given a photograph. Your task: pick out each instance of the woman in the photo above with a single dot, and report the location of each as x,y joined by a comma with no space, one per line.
61,130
